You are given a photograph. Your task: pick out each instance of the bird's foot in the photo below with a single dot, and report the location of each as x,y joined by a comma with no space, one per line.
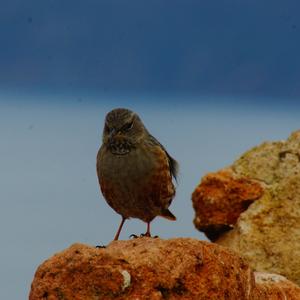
101,246
147,234
134,236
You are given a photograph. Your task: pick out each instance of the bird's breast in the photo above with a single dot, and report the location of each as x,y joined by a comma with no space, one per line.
120,146
133,165
136,180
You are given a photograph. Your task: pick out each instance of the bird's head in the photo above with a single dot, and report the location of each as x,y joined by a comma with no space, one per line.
122,130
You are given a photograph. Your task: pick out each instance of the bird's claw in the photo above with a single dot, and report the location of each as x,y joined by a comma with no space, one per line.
133,236
100,246
147,234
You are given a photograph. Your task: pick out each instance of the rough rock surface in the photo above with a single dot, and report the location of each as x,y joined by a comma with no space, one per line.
147,268
267,233
220,199
275,287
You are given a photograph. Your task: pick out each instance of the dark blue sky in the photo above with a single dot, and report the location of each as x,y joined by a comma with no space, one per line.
240,48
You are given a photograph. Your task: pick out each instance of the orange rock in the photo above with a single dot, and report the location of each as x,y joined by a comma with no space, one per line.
219,200
144,268
275,287
267,233
148,268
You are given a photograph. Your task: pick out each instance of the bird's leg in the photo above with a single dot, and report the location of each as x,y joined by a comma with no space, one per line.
148,230
119,229
147,234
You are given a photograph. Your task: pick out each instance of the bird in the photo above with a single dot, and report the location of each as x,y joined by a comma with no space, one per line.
135,171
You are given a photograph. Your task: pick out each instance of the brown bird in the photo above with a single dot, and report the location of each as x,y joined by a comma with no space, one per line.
134,170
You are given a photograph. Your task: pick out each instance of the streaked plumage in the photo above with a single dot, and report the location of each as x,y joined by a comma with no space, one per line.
134,169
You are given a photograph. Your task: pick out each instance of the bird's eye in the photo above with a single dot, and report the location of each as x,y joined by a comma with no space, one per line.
127,126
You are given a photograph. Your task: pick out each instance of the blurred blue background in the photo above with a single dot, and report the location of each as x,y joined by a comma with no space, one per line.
209,79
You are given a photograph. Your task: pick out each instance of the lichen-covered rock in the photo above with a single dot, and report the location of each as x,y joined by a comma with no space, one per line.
145,268
267,233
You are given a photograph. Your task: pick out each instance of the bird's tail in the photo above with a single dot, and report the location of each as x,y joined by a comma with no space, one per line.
168,215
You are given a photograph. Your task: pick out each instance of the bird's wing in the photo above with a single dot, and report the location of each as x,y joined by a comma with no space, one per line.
173,164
